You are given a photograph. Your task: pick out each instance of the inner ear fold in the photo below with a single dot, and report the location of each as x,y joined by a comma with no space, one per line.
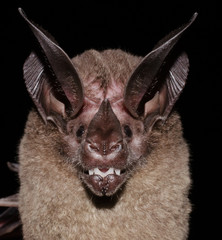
45,91
41,86
172,82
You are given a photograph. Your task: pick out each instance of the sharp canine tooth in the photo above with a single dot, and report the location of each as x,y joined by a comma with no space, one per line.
97,171
91,171
110,171
117,171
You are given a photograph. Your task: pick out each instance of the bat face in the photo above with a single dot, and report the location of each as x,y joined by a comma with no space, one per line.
105,141
105,104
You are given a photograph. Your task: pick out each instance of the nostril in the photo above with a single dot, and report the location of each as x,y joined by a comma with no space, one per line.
93,148
116,147
104,148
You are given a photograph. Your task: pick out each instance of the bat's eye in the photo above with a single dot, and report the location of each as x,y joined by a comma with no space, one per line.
80,131
127,131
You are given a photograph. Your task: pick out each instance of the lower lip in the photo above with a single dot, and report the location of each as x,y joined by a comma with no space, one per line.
106,186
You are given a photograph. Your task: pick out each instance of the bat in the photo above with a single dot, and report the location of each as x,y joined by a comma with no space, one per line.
103,154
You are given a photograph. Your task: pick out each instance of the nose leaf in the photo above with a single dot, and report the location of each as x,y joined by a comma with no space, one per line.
104,132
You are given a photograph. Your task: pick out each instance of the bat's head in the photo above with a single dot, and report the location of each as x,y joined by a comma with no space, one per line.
105,104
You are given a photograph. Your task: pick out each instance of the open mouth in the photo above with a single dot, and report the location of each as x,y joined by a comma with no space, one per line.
103,172
104,181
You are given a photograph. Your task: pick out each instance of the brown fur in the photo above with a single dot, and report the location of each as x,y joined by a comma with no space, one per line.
103,68
54,204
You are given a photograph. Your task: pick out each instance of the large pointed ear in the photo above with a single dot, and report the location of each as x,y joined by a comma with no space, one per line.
158,80
51,79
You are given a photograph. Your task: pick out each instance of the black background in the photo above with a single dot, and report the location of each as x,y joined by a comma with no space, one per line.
134,26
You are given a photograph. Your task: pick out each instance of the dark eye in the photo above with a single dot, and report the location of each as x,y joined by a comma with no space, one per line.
80,131
128,131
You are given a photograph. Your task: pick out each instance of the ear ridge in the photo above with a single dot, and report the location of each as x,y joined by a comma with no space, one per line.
33,75
37,81
175,82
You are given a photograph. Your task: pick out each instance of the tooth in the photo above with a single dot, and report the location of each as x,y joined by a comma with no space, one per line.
110,171
103,174
117,171
97,171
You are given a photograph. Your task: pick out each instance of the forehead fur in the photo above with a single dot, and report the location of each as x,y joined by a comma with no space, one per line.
100,72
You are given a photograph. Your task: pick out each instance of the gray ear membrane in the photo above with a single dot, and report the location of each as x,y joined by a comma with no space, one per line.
158,80
51,79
